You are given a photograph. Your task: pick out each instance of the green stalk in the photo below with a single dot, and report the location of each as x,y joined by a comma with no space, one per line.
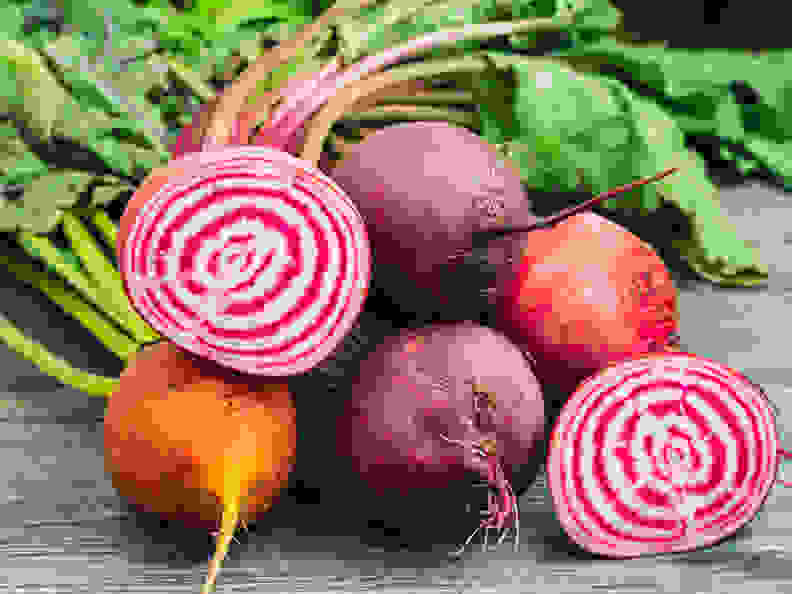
42,248
105,275
412,113
106,226
52,365
71,303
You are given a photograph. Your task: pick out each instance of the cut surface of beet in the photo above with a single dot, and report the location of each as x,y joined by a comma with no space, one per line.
663,454
252,258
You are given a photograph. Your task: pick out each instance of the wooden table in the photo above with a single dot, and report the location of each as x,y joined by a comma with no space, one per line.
63,528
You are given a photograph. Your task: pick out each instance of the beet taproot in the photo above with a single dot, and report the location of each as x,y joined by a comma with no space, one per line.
198,444
441,407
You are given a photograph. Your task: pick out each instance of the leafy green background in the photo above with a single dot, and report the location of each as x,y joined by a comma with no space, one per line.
113,83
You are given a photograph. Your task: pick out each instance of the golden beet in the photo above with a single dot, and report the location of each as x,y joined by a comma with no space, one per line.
196,442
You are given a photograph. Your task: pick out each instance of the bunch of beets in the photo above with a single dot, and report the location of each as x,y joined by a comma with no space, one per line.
512,341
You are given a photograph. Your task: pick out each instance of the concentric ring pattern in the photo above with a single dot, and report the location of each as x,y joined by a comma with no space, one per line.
663,454
253,259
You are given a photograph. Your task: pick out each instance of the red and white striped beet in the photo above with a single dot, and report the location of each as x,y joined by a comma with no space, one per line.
662,454
247,256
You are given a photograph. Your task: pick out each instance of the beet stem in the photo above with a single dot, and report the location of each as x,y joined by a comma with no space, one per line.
546,222
419,44
218,132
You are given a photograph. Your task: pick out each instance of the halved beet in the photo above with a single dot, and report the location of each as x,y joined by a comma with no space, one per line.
663,454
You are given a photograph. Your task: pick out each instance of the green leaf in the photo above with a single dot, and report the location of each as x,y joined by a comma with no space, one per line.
41,206
591,16
140,76
88,93
81,125
93,129
574,125
597,15
68,58
27,88
714,250
378,26
142,160
698,89
569,122
494,91
17,162
12,18
228,15
87,16
776,156
112,153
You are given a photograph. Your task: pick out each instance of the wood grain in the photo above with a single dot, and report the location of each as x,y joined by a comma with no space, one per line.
63,529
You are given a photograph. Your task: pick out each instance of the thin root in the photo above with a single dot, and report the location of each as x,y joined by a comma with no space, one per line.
503,511
228,525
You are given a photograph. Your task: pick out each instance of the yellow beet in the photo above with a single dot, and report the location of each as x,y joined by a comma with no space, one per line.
199,443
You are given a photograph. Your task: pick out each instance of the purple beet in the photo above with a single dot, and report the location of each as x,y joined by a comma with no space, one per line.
440,407
423,189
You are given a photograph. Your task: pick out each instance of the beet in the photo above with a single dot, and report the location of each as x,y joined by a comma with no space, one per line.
410,426
422,189
581,295
666,453
247,257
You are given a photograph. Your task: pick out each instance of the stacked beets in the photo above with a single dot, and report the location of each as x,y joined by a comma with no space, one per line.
581,298
573,306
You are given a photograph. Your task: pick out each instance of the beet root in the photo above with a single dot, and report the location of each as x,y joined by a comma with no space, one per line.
423,189
440,407
663,454
582,295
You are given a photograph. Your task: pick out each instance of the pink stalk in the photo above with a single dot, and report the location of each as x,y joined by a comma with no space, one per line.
232,102
295,92
286,122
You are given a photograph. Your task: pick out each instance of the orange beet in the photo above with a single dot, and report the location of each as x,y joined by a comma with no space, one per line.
583,295
196,442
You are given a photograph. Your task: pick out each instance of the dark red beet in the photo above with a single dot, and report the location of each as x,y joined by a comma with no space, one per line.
410,424
423,188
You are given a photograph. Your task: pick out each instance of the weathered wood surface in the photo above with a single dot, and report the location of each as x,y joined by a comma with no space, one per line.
63,528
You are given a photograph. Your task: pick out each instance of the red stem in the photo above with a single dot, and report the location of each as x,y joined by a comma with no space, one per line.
573,210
